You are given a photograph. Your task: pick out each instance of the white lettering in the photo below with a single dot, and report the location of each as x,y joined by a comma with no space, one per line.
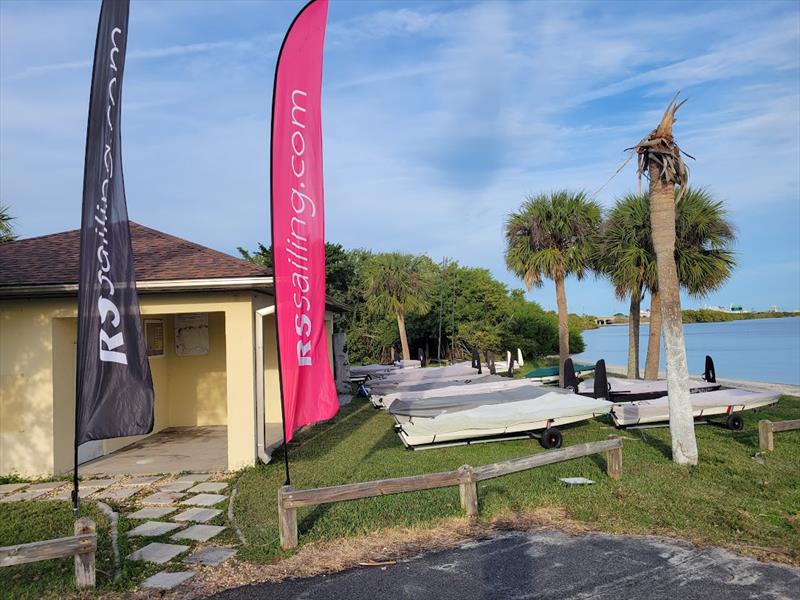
111,343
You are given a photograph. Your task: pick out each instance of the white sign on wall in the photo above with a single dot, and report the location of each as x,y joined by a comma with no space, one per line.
191,334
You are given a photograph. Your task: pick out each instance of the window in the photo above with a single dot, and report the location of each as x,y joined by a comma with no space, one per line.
154,334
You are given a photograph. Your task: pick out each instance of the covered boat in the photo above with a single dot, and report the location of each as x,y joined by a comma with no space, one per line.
493,415
726,402
619,389
477,385
550,374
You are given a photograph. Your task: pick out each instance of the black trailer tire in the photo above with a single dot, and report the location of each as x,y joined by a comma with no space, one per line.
551,438
735,422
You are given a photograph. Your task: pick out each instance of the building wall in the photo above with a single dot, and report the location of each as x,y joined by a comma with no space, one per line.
26,388
37,377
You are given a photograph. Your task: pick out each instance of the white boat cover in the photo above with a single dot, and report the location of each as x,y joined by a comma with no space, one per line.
707,404
548,407
359,371
437,402
485,383
408,364
620,385
428,374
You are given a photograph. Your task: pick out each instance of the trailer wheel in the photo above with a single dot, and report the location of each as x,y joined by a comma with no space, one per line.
573,388
551,438
735,422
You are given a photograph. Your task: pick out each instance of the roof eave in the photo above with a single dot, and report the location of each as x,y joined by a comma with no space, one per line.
171,285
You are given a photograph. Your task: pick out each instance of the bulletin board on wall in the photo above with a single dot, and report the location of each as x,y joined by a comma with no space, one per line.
191,334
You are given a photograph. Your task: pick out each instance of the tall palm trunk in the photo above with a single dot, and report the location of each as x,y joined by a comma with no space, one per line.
662,221
401,327
634,321
563,328
654,338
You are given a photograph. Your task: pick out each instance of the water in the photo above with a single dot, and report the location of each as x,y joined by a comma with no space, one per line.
757,350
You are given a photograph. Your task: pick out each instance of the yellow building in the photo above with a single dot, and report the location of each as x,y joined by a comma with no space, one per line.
210,328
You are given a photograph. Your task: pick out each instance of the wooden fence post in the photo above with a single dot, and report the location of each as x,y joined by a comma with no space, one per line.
614,461
85,562
287,520
468,490
765,437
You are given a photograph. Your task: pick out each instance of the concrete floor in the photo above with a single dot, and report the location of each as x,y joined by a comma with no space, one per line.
171,450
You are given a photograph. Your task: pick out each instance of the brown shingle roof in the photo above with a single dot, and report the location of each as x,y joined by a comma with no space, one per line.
53,259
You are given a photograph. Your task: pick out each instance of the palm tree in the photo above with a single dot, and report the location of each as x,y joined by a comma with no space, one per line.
660,160
551,236
625,254
400,284
703,256
6,229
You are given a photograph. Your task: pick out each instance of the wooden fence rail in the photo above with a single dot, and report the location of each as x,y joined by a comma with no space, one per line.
766,429
82,546
466,478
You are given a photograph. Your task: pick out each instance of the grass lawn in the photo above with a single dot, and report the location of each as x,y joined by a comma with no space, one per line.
730,499
22,522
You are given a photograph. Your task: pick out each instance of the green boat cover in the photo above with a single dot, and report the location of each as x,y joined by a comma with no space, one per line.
553,371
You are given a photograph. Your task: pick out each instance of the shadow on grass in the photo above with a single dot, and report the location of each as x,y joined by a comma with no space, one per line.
311,519
488,493
323,438
655,443
387,441
600,461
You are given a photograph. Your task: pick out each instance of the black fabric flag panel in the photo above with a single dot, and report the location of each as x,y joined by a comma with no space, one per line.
114,395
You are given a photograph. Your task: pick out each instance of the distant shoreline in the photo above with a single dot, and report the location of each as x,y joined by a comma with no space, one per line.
714,316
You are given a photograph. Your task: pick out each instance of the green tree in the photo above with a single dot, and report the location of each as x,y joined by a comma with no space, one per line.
399,284
6,229
625,254
340,268
703,256
551,236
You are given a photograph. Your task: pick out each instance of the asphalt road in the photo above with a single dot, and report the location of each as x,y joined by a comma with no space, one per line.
551,564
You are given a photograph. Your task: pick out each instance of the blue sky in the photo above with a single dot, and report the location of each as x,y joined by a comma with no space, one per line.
438,117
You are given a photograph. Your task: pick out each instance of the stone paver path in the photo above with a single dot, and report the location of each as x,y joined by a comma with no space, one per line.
198,533
198,515
152,512
208,487
158,502
7,488
47,486
96,483
175,486
118,494
158,553
194,477
66,493
166,580
210,556
204,500
153,529
162,498
24,495
142,480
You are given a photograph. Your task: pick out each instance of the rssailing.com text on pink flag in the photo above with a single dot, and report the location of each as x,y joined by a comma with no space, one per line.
298,224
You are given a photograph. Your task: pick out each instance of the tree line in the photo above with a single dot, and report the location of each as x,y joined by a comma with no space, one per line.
410,303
